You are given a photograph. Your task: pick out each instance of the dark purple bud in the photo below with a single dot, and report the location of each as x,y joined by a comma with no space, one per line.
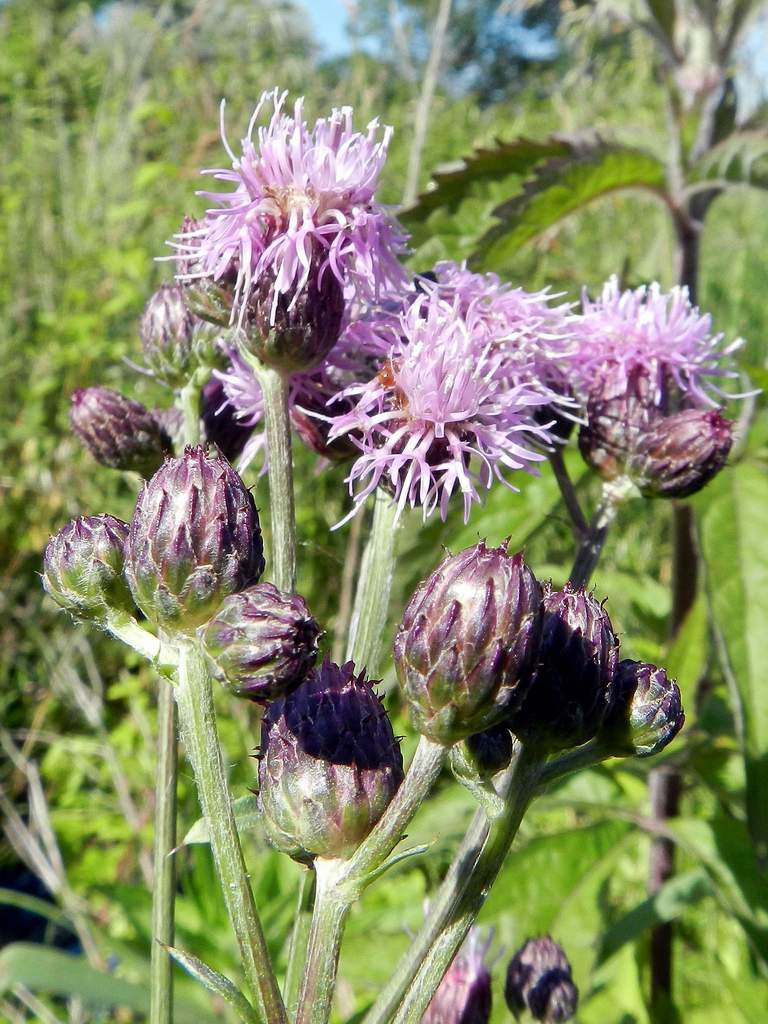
539,980
464,995
117,431
194,540
295,331
468,638
220,421
309,416
83,567
647,711
572,684
167,329
262,643
491,750
171,422
619,411
329,764
681,453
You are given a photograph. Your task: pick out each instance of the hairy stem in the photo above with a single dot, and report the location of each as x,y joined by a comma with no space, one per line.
164,888
591,546
197,717
277,420
468,890
369,617
330,914
299,941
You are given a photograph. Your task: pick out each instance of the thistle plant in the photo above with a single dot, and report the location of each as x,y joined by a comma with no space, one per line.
431,390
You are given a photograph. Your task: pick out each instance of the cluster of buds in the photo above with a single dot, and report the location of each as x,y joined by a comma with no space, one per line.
329,764
539,980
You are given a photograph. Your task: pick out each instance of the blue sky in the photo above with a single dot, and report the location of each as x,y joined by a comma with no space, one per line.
329,18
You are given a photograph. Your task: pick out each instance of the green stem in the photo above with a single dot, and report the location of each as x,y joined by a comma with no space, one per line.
328,919
164,889
591,545
197,717
189,403
369,618
277,421
568,492
468,891
126,629
299,941
586,756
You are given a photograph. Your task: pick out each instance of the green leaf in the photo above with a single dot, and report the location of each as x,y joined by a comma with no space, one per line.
740,159
450,182
215,983
246,811
732,537
559,188
674,897
34,905
687,658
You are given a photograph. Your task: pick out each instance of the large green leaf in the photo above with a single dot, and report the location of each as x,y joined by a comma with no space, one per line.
486,164
560,187
740,159
732,533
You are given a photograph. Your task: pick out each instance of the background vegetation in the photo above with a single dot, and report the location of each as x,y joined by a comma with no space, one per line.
107,112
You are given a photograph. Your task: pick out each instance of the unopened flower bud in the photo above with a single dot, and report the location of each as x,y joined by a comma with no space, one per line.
572,684
295,331
117,431
83,567
539,980
681,453
329,764
620,409
262,643
194,540
167,328
647,711
220,422
468,638
464,995
484,754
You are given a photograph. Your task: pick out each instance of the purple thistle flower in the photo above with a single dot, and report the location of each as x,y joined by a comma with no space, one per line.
443,414
663,334
464,995
302,202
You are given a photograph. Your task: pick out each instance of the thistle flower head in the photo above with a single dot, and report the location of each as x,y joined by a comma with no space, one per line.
572,686
117,431
539,980
329,764
646,713
468,638
464,995
441,416
302,202
262,643
194,539
83,567
663,333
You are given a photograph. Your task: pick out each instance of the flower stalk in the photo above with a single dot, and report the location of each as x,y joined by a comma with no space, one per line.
299,942
328,919
164,888
591,544
369,617
197,718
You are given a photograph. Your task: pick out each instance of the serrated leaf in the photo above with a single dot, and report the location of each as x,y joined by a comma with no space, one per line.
486,164
741,159
732,537
560,187
247,817
215,983
674,897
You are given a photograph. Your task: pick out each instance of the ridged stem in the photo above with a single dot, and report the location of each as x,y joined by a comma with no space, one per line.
277,421
369,616
468,890
328,919
197,718
297,950
164,887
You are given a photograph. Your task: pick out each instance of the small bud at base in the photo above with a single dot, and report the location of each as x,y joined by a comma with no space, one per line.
647,711
83,567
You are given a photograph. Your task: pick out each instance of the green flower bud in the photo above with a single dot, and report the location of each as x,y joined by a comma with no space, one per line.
167,329
194,540
647,711
329,764
83,567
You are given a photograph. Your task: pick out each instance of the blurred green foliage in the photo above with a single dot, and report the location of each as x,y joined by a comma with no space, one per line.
106,114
